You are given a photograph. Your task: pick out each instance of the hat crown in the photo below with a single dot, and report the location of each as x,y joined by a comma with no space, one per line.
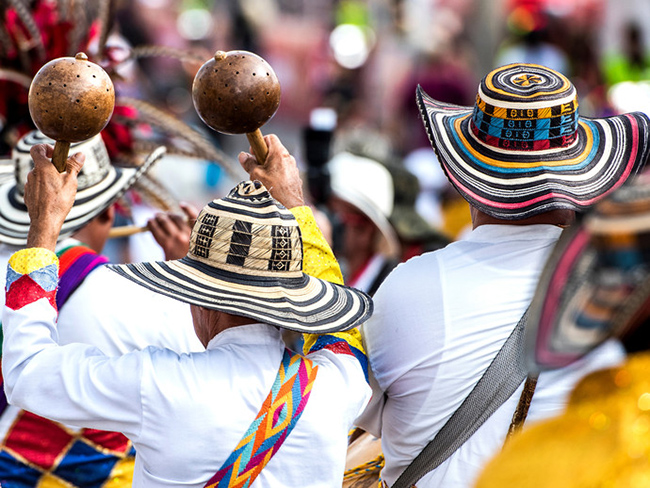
96,168
248,232
525,107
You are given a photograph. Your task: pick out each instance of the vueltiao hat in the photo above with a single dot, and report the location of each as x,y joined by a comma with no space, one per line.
524,150
245,258
596,283
100,183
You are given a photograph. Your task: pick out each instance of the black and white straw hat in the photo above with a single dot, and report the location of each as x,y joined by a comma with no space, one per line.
99,185
245,259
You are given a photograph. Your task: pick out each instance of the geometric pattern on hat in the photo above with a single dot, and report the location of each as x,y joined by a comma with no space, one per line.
99,185
596,283
245,258
523,149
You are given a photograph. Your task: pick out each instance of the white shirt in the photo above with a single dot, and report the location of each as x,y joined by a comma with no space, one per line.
102,311
439,321
184,413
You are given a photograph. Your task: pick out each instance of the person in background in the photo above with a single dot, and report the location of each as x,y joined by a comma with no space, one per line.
362,200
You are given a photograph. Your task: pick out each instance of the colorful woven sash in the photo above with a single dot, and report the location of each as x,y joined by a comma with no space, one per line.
274,422
75,263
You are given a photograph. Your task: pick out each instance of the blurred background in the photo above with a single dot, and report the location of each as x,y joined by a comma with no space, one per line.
348,70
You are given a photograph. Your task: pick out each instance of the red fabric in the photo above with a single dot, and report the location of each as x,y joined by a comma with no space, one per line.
24,291
38,440
113,441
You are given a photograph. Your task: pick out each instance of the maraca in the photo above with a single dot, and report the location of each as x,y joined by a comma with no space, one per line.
236,92
70,100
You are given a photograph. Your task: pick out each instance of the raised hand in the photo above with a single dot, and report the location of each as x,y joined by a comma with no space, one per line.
49,195
279,173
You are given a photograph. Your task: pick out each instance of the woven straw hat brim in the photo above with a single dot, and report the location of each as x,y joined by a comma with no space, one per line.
89,202
303,304
513,185
580,302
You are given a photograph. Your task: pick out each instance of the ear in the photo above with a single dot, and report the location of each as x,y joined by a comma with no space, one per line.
107,215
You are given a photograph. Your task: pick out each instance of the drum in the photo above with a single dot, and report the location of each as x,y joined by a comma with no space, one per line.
364,461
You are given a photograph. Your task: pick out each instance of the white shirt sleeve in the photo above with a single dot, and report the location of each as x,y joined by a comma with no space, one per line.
75,384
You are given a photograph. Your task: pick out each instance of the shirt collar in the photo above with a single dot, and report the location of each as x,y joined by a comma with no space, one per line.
250,334
498,232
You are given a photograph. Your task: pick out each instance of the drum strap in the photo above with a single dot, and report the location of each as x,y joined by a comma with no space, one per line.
500,380
276,419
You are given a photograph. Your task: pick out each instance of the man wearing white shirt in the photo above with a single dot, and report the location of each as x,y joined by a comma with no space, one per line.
186,413
526,162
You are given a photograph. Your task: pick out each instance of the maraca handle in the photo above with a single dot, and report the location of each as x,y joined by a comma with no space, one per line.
60,155
260,150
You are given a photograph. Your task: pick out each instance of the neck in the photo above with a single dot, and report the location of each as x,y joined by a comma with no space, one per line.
561,218
208,323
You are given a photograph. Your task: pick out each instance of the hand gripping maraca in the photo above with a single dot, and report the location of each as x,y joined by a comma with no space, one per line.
70,100
236,92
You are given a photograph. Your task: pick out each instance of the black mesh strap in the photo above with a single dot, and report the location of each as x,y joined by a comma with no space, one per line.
500,380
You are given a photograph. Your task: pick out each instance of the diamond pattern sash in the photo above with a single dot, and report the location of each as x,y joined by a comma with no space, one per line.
274,422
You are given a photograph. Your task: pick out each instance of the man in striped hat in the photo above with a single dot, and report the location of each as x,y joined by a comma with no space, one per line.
246,408
526,162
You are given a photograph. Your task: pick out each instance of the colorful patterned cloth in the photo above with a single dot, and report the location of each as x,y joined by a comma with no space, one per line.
274,422
37,452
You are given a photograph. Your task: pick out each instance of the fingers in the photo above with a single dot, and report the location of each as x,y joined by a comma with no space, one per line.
38,153
247,161
75,163
190,212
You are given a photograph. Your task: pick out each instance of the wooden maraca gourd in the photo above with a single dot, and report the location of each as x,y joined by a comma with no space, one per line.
236,92
70,100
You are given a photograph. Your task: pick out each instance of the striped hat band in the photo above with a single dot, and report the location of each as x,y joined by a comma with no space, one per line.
523,149
245,258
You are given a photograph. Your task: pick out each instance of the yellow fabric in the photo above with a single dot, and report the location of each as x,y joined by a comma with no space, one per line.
27,260
122,474
601,441
51,481
319,262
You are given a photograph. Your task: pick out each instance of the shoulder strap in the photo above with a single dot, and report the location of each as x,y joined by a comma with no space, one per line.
500,380
75,263
276,419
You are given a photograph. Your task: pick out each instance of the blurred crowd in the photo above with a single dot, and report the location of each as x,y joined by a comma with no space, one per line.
348,70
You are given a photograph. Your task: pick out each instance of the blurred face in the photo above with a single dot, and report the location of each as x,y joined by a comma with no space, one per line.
358,231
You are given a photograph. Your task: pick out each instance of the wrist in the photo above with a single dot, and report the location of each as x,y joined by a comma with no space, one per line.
43,235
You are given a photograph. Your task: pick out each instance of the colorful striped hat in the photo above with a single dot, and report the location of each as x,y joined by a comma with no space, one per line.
245,259
596,283
99,185
524,150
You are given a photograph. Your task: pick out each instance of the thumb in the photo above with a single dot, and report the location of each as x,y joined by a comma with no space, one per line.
75,163
247,161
